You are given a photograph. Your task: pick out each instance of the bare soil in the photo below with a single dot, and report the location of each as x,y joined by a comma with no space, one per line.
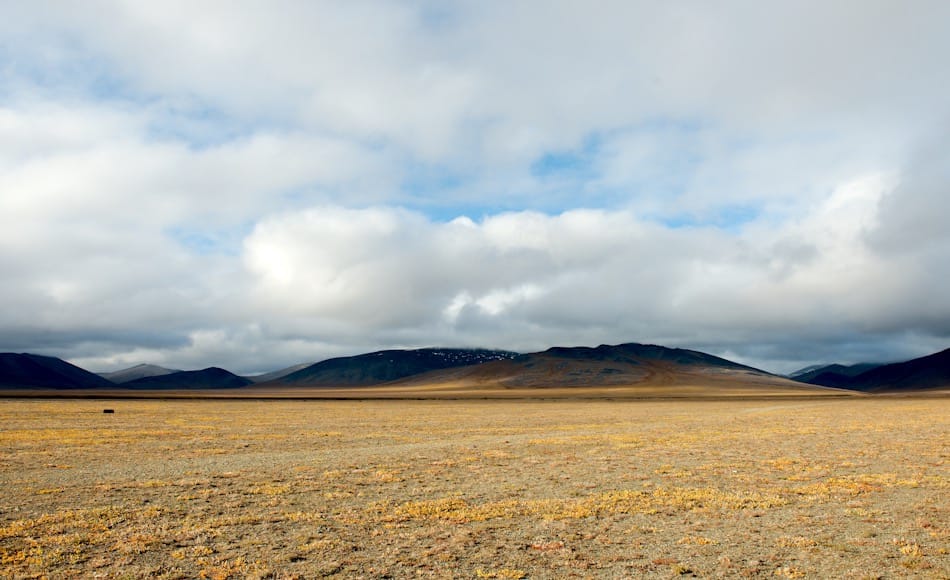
846,488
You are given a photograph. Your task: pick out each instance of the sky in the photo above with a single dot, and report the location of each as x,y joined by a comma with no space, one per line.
257,184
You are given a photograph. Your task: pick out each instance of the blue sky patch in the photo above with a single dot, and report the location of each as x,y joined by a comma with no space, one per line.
729,218
576,164
227,242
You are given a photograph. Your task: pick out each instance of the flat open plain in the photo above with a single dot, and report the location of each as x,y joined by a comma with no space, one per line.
853,487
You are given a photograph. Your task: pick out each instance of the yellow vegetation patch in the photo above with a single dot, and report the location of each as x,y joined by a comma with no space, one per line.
387,476
696,540
610,503
270,489
796,542
790,572
618,440
862,484
501,573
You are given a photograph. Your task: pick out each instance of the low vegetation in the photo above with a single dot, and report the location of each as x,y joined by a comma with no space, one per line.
847,488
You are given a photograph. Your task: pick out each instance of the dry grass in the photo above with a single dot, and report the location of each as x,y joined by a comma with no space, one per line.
851,488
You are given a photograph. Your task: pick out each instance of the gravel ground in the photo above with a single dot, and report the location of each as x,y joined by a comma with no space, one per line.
851,488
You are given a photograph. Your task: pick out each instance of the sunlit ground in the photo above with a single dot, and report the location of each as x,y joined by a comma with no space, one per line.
853,488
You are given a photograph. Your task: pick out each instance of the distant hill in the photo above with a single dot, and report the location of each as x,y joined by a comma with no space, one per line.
594,366
137,372
834,372
209,378
35,371
617,364
624,369
273,375
924,373
388,365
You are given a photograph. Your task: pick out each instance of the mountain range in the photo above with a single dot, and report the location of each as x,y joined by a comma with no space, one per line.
924,373
608,367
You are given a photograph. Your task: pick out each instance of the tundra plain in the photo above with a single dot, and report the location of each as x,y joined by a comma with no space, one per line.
852,487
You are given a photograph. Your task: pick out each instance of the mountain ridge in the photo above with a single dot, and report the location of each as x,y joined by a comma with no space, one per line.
24,370
209,378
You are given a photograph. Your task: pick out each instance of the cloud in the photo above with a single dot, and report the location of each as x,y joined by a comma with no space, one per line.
912,214
105,230
526,280
519,80
284,181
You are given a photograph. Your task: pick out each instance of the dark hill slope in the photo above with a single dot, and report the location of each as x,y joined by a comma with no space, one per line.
209,378
924,373
806,375
35,371
388,365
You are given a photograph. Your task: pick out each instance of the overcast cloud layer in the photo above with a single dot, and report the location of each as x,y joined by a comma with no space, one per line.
256,184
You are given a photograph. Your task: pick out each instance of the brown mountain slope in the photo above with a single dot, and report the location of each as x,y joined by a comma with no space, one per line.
627,370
